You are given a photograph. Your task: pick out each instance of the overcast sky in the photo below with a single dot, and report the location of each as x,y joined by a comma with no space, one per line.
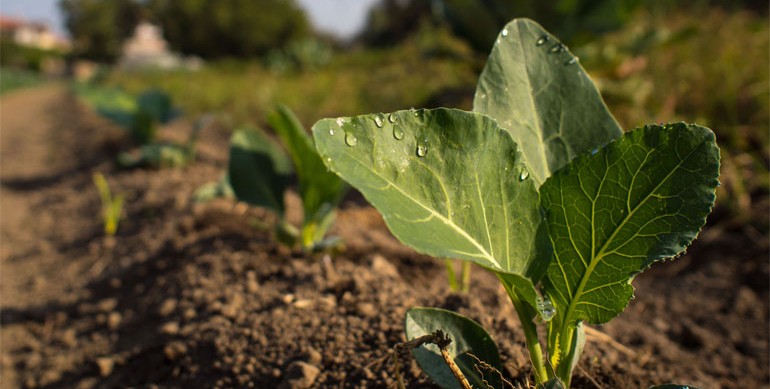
340,17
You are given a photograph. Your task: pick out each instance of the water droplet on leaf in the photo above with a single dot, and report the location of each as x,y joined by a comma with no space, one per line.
331,131
505,32
422,147
572,61
392,118
557,48
398,133
378,120
546,309
523,175
542,40
350,139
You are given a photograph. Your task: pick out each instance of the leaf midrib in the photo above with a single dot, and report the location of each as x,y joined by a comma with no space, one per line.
600,255
441,217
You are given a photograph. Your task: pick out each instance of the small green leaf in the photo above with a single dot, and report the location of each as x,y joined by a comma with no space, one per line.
536,89
551,384
611,214
157,104
448,183
468,337
320,189
259,170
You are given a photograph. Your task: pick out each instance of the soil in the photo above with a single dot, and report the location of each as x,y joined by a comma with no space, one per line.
198,294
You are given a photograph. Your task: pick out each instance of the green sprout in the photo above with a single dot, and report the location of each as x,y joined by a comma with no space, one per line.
112,206
260,172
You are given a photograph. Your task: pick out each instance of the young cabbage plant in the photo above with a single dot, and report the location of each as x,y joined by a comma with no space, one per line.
260,172
141,119
539,186
167,155
112,206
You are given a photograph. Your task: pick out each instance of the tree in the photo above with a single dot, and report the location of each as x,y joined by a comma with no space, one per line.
98,27
229,28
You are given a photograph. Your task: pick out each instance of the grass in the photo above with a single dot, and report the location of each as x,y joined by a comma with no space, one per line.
355,82
12,79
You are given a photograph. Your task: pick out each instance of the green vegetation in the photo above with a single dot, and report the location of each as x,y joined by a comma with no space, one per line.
259,173
12,79
112,206
579,206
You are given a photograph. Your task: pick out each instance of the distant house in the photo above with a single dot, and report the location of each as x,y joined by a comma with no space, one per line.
146,48
31,34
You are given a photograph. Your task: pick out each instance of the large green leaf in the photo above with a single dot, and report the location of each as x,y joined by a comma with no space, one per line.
536,89
612,213
448,183
259,170
320,189
468,337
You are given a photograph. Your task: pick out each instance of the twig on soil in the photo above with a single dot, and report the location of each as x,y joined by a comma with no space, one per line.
481,365
440,339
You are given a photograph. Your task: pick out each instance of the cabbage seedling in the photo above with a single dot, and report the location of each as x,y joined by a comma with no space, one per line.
166,155
260,172
152,107
112,206
539,186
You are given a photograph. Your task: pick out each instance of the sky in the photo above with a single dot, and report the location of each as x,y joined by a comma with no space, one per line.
339,17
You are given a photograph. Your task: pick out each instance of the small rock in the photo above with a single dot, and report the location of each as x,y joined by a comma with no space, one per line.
174,350
105,365
382,266
299,375
366,309
229,311
107,305
167,307
170,328
314,357
113,320
189,313
69,338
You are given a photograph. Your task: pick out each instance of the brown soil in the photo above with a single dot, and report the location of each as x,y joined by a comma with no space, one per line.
198,295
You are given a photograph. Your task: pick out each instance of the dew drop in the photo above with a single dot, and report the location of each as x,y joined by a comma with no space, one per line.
505,32
542,40
331,131
378,120
350,139
546,309
422,147
398,133
523,175
572,61
392,118
557,48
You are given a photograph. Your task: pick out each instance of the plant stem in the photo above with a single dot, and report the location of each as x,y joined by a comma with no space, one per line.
451,276
466,277
526,315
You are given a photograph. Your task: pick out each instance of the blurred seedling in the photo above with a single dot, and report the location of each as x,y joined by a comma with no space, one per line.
112,206
167,155
260,173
